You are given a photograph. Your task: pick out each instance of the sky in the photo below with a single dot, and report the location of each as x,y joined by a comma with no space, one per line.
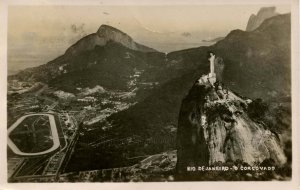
39,34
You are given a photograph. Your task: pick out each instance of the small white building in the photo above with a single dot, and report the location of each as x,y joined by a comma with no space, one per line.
87,99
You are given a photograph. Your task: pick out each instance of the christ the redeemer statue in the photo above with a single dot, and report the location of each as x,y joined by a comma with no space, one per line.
212,74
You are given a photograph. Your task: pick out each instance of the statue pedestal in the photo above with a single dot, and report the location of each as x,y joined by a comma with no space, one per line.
212,78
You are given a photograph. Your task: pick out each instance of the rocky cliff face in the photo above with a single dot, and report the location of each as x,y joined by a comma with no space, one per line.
263,14
105,34
214,127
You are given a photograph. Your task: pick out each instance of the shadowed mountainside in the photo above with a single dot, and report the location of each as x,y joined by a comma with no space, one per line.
256,64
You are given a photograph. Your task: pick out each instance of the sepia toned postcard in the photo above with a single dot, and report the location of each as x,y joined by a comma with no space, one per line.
177,91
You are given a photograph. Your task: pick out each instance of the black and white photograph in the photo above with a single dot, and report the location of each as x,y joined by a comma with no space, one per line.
132,93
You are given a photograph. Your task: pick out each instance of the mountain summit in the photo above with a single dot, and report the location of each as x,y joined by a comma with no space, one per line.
107,58
215,126
263,14
105,34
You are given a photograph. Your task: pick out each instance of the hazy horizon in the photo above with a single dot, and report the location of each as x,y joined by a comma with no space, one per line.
39,34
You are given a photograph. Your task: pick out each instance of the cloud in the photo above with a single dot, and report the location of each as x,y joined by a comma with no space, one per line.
79,29
186,34
77,32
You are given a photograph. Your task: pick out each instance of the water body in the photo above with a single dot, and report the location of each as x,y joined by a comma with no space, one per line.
19,60
170,47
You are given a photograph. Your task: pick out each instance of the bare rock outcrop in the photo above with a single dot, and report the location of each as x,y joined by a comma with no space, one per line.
214,127
105,34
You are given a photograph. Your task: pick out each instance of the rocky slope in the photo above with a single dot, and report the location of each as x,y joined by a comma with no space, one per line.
214,127
263,14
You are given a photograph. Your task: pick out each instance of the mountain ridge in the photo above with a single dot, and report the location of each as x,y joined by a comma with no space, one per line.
256,20
109,32
104,34
93,51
